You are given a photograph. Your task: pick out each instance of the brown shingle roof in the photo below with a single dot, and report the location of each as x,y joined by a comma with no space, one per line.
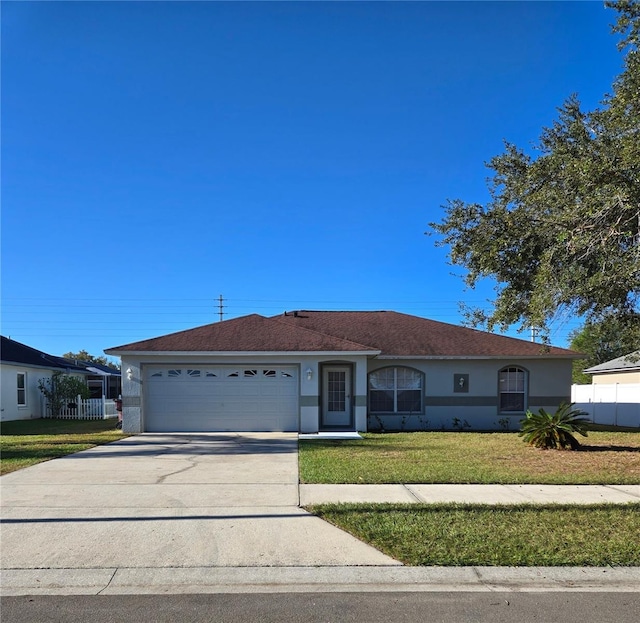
391,333
253,333
397,334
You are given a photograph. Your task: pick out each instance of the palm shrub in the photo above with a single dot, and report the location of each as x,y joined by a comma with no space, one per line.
544,430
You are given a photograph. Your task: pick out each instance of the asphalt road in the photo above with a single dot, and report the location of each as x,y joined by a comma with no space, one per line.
457,607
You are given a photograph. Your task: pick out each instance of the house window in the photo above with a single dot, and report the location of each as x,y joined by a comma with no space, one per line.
22,389
512,384
395,390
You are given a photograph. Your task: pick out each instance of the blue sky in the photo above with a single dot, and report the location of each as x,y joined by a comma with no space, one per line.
156,155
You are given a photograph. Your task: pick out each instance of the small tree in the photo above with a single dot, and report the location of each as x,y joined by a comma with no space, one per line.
62,388
543,430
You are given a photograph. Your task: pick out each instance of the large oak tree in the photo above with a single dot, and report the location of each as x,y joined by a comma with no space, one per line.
561,231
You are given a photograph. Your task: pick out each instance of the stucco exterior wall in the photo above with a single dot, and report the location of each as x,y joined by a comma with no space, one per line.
445,406
616,377
9,392
133,394
476,408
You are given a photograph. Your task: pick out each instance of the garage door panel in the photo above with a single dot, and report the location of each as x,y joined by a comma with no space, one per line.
221,398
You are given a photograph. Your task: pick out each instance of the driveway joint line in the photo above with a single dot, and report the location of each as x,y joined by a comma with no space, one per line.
618,490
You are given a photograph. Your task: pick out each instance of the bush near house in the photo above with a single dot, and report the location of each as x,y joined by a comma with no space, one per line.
61,389
543,430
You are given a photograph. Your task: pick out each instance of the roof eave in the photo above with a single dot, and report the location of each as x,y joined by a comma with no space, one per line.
612,370
463,357
32,365
241,353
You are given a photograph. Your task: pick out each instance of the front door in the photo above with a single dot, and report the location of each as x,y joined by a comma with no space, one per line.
336,397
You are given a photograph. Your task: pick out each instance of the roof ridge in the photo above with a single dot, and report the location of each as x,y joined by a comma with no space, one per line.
315,332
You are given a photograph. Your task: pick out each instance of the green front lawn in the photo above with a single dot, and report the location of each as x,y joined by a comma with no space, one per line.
461,535
455,457
27,442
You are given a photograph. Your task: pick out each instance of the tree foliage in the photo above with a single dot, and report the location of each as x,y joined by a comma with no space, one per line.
561,231
83,355
603,340
62,388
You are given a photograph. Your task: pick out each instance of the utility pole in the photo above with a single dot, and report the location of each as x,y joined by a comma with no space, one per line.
220,307
534,333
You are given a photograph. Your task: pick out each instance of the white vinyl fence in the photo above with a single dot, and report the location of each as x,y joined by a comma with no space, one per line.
616,404
80,409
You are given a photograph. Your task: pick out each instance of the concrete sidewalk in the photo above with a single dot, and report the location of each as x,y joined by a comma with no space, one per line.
470,494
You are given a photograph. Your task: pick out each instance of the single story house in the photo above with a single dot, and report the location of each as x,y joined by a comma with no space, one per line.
311,371
21,368
625,369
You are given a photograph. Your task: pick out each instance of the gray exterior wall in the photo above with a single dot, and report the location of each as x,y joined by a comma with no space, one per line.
133,392
447,408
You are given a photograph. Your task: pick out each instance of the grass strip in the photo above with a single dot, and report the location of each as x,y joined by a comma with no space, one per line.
27,442
482,535
465,458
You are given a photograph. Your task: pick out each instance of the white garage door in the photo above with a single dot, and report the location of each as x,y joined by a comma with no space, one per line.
194,398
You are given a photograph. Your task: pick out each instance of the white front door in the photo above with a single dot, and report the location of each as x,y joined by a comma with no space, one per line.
336,397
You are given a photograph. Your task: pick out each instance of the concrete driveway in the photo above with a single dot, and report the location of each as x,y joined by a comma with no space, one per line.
170,501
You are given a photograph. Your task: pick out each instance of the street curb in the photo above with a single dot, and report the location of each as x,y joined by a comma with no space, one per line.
210,580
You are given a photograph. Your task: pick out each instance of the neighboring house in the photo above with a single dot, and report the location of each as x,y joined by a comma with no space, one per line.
101,380
22,367
311,371
625,369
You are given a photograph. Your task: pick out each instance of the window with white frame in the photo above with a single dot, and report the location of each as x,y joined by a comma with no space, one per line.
395,390
512,387
21,383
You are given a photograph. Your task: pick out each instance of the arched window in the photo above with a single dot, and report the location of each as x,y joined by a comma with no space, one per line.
395,390
512,388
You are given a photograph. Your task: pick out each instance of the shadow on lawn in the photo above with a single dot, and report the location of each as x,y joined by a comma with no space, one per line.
583,448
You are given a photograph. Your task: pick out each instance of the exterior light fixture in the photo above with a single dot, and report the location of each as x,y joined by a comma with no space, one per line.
461,381
129,373
309,374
